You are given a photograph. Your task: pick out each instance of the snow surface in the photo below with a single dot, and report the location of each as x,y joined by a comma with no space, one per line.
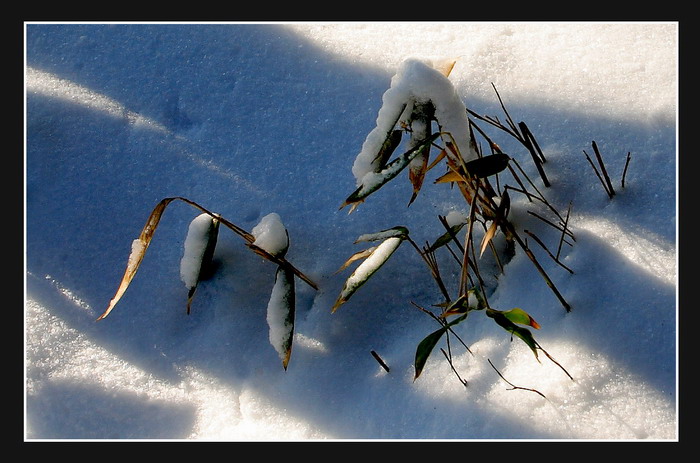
251,119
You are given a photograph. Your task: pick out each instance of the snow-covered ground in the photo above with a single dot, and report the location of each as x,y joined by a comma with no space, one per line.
253,119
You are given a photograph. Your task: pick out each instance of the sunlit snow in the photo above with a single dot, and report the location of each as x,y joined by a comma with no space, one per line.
265,121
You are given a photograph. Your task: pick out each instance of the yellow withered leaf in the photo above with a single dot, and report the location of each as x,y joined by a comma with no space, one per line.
450,177
490,233
501,214
138,250
445,67
416,174
439,158
357,256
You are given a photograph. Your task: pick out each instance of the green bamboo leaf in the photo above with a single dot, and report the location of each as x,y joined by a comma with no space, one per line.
521,317
426,346
523,333
446,237
392,141
462,304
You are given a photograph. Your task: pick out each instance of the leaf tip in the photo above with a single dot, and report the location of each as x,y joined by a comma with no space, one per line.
337,304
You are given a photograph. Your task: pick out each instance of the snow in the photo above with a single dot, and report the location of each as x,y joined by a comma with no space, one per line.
271,235
246,119
454,218
372,263
416,82
280,313
198,235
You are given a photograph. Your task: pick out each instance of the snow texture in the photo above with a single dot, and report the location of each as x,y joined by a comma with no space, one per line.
249,118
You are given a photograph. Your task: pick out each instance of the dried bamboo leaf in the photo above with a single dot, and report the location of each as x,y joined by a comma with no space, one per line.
450,177
501,214
366,269
416,173
357,256
488,236
138,250
445,67
441,155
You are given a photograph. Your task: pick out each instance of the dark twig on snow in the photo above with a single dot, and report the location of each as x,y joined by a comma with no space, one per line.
513,386
603,173
624,172
379,360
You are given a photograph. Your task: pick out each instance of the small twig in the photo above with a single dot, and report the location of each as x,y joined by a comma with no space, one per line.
563,232
555,259
465,262
528,134
539,196
453,254
496,123
528,142
511,230
432,265
624,172
595,169
517,179
505,111
379,359
442,322
603,169
513,386
557,227
449,360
